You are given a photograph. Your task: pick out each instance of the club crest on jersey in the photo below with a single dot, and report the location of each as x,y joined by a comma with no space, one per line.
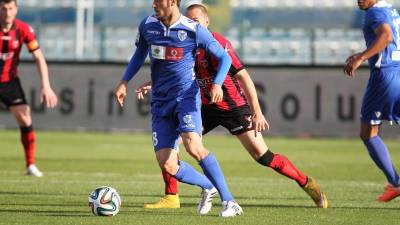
187,119
182,35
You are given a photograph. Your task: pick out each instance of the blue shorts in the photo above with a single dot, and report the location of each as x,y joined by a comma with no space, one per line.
169,119
382,97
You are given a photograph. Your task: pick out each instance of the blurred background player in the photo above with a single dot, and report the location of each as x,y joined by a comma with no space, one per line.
382,96
13,34
171,40
239,112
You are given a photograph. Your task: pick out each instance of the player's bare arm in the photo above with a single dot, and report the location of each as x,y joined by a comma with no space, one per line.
384,37
120,92
143,90
259,122
47,95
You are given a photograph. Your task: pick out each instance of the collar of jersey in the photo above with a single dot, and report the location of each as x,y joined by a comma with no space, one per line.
174,24
380,4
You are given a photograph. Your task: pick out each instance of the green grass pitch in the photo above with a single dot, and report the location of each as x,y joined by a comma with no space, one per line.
75,163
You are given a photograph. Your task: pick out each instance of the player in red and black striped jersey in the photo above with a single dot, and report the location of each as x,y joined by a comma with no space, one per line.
239,112
13,35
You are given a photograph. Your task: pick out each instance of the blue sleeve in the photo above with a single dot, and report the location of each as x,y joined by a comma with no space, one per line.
206,40
137,59
375,17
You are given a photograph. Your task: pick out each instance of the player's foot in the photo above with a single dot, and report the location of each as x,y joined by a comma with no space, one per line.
230,209
32,170
206,198
166,202
389,193
313,190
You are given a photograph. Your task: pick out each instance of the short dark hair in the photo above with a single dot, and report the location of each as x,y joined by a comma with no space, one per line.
8,1
178,2
200,6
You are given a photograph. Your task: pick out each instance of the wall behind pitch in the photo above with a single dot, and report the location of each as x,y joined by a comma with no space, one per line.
297,101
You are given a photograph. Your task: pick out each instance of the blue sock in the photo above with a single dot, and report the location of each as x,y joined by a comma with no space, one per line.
187,174
214,173
380,154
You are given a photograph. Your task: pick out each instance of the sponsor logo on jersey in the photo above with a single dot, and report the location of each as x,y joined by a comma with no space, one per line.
6,38
153,32
166,53
204,82
182,35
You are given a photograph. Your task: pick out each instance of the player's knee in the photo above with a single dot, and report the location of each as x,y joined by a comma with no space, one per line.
266,159
169,167
197,153
365,135
22,115
195,148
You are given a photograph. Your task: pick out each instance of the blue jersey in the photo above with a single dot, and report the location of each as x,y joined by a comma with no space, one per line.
172,54
383,13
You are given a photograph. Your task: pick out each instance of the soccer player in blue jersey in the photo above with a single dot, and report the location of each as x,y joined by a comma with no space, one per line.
171,41
382,96
239,112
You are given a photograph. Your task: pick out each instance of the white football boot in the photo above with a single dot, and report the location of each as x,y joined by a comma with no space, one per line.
206,198
32,170
230,209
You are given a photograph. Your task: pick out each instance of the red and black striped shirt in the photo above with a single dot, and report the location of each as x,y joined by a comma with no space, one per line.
10,44
206,67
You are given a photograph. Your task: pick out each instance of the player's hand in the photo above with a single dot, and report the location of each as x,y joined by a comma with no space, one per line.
48,97
120,93
216,93
259,122
352,63
142,90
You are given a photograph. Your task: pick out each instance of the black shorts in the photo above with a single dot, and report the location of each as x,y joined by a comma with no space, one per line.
11,93
236,121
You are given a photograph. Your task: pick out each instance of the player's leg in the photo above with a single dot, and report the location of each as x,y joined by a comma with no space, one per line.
23,117
185,173
168,162
381,156
213,172
165,140
258,150
13,96
381,102
170,200
190,128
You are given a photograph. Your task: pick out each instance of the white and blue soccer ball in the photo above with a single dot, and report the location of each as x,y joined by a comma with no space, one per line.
104,201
